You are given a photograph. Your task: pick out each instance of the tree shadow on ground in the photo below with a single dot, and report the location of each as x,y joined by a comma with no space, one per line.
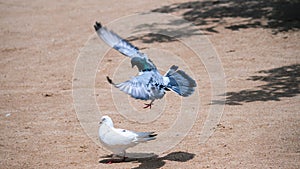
170,32
281,82
152,37
156,161
277,15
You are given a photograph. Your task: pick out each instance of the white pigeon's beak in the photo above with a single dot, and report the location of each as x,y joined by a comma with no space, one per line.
100,122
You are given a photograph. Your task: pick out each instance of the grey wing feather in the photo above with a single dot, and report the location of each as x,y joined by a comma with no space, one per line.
136,87
118,43
113,40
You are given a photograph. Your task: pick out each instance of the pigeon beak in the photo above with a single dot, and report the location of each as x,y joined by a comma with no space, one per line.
100,122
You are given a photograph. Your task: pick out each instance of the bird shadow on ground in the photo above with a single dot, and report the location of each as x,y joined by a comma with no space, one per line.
280,82
155,161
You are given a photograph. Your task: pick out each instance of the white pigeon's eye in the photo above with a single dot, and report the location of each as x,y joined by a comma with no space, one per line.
124,131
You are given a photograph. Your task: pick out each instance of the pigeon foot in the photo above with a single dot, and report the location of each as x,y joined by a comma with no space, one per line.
148,105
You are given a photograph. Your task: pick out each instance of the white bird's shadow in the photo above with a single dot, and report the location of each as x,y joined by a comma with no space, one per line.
150,160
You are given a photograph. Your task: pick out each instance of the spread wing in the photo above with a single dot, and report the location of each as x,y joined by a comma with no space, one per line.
137,87
139,59
118,43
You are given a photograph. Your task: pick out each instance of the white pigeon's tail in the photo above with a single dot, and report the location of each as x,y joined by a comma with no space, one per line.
180,82
145,136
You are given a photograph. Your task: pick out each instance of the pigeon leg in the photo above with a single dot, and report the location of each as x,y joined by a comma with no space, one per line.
124,157
148,105
112,159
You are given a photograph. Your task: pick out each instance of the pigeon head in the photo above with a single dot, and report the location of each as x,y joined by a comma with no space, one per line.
106,120
138,62
143,64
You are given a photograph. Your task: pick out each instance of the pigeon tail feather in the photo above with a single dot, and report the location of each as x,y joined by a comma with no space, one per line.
146,136
180,82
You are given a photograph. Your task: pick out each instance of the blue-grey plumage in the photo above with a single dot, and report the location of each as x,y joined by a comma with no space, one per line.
149,84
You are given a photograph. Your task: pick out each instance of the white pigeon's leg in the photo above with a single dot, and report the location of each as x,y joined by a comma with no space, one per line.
149,105
114,156
112,159
124,155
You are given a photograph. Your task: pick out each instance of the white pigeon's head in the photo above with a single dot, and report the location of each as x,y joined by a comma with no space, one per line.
106,120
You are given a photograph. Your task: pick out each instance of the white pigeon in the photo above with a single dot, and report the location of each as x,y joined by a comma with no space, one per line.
118,140
149,84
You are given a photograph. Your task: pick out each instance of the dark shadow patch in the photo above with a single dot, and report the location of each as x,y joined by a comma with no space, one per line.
281,82
151,37
279,16
155,161
174,30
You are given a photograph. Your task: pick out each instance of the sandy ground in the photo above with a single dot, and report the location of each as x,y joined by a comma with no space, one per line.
259,49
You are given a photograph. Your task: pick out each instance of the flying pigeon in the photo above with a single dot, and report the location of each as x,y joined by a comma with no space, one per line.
118,140
149,84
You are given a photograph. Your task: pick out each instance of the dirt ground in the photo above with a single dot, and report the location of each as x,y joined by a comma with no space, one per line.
257,42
